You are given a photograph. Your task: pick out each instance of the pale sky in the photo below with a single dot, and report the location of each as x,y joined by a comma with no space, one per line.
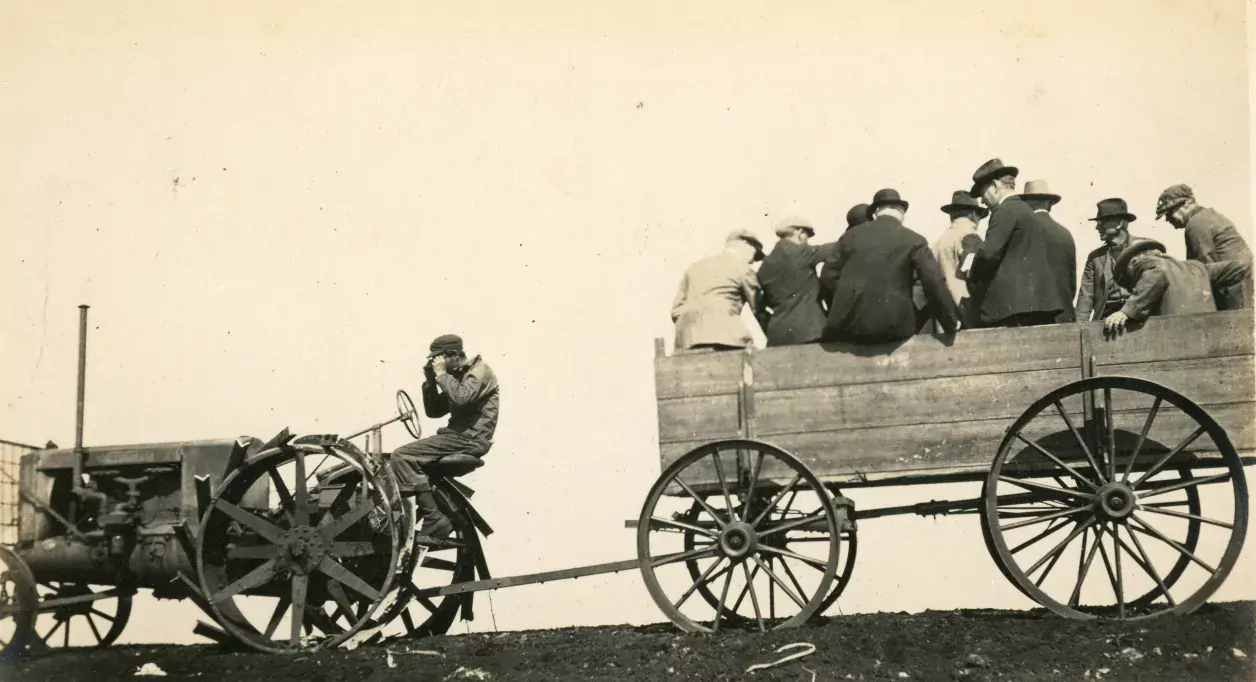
273,210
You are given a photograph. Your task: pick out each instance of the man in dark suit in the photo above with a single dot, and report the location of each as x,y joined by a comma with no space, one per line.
1100,294
857,215
789,308
871,273
1063,251
1013,275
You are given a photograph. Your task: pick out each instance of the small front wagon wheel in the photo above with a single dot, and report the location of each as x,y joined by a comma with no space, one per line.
751,496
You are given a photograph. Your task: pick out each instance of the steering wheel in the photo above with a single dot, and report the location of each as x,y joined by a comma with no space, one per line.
409,415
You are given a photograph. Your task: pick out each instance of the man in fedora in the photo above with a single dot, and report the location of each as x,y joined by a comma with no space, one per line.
957,247
789,308
708,303
1100,294
1013,274
1210,238
871,272
1162,285
1063,256
467,391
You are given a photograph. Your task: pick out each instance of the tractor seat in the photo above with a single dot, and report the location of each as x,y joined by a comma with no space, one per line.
451,466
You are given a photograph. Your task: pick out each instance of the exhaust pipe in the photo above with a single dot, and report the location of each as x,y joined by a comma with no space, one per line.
77,485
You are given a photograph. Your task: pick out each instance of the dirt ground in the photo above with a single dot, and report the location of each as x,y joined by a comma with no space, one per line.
1214,643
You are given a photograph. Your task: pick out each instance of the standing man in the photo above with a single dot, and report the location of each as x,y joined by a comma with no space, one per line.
467,391
708,303
789,308
871,274
1063,252
1012,274
956,248
1210,238
1101,293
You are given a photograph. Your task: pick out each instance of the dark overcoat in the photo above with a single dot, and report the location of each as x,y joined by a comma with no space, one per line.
790,308
1019,267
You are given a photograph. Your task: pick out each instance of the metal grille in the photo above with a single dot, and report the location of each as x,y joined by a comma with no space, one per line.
10,457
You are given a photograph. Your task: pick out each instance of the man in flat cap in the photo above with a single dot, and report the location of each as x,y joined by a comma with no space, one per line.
1101,294
1162,285
871,273
708,303
1063,252
957,247
467,391
1014,274
789,307
1210,238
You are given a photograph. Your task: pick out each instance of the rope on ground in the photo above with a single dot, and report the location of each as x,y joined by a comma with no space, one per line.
791,657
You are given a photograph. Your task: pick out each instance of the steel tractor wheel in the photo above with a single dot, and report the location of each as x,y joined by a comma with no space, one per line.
766,534
98,622
1118,499
18,601
304,566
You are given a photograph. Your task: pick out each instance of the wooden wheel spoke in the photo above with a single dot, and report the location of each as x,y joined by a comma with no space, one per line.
778,582
344,521
255,578
1146,529
281,607
682,556
772,505
301,502
814,518
1084,567
1110,428
823,565
1081,442
754,480
340,501
253,552
792,578
337,570
343,605
95,632
706,507
48,635
1058,462
1050,565
1044,488
104,615
1157,509
1169,455
1063,543
719,609
1120,578
719,472
285,496
684,526
1107,564
1051,530
1142,438
745,590
1047,517
300,587
255,523
1151,569
754,599
703,580
1192,483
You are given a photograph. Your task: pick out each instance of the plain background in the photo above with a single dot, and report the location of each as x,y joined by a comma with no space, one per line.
273,209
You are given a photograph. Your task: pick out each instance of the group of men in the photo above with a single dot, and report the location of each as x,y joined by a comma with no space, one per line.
883,282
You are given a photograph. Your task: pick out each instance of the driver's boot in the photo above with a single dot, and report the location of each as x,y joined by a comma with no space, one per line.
436,526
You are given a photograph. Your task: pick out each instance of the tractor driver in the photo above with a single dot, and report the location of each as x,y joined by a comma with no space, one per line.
467,391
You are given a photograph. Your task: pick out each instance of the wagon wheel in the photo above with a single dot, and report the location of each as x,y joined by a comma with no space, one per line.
850,547
99,622
18,601
735,542
316,560
1113,488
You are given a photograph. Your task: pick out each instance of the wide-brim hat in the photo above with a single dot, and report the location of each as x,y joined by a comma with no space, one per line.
1171,198
748,237
786,226
886,197
1136,246
858,215
991,170
1037,189
962,201
1113,208
445,343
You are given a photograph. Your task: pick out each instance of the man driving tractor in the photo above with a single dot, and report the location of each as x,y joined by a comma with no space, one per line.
467,391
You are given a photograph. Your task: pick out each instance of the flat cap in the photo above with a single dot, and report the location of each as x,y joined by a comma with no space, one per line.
1173,197
445,343
785,226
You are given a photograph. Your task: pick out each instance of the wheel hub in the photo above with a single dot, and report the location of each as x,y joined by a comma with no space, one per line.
738,540
303,549
1115,501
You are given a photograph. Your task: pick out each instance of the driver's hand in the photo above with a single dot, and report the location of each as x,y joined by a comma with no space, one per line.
438,364
1116,321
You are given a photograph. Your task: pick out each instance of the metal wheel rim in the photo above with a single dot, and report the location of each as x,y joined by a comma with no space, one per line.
63,627
19,601
1205,424
671,475
405,406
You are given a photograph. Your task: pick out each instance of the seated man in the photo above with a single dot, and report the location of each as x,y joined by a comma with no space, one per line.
1162,285
708,303
467,391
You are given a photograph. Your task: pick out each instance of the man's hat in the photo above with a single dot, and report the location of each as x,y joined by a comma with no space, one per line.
857,215
962,201
991,170
1136,246
445,343
1171,198
886,197
1113,208
748,237
786,226
1037,189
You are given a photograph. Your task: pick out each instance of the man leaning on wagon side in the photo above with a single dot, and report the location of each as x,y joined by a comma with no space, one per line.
1210,238
712,293
871,273
1163,285
789,308
1100,292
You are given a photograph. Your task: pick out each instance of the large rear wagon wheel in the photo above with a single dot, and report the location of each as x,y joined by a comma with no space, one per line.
734,542
1149,494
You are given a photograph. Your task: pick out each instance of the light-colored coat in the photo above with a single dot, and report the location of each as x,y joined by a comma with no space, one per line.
708,303
959,240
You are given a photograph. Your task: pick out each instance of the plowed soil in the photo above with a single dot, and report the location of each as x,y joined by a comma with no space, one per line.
1214,643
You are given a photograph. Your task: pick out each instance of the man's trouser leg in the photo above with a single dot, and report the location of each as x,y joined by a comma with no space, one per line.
407,464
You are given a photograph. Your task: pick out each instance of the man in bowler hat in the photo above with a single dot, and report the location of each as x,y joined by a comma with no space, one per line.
1162,285
1210,238
1063,250
855,216
871,274
467,391
1016,273
1100,293
789,308
957,247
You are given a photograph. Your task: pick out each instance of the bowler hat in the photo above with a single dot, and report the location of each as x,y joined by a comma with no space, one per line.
1113,208
786,226
1136,246
962,201
886,197
445,343
1037,189
748,237
1171,198
858,215
991,170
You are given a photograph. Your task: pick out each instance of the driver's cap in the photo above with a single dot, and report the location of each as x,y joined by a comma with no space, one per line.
445,343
